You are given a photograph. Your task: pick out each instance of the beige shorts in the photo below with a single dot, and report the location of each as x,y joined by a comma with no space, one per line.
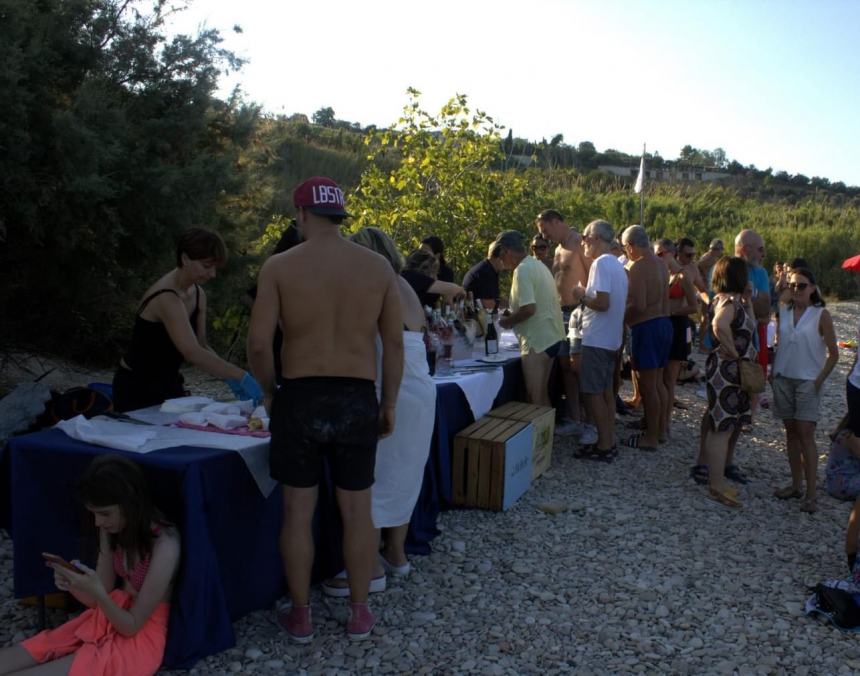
795,399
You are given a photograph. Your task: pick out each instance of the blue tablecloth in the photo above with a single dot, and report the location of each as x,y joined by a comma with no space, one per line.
230,564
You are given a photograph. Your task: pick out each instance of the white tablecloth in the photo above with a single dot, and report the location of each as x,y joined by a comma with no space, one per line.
479,381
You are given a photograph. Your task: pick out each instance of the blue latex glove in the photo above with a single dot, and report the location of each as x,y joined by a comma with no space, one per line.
235,387
247,388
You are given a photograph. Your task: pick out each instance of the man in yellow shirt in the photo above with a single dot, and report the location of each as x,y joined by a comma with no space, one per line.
535,314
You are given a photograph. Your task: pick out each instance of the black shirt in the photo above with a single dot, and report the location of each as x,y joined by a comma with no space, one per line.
420,283
445,274
482,280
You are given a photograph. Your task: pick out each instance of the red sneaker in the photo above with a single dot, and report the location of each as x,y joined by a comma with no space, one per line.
297,624
360,622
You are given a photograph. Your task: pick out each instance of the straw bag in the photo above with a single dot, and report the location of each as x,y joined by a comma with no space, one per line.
752,377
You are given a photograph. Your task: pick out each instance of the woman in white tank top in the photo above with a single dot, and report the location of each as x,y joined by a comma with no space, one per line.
806,353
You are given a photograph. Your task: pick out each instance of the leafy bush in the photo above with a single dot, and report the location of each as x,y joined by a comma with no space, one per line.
113,144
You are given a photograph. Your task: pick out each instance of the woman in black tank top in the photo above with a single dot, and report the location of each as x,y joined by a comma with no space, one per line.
170,328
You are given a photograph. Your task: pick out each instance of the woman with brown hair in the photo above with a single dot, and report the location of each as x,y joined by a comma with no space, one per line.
733,326
170,328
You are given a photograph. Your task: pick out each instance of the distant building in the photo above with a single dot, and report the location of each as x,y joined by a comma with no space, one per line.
670,174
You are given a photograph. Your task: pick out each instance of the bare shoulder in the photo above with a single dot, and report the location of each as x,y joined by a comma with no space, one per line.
168,542
362,252
723,301
370,262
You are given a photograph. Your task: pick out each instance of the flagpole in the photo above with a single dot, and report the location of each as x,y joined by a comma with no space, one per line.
642,192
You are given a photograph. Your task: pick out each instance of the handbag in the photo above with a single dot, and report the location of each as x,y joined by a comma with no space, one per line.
839,605
752,377
750,373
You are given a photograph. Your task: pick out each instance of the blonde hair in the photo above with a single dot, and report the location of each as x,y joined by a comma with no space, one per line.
378,242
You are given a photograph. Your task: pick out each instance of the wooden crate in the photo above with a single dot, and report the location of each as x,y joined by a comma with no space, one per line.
543,420
491,463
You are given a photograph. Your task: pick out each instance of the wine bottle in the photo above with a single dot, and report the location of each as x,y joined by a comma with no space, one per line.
491,338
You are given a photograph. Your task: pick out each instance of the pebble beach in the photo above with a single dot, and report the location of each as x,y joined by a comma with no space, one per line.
638,572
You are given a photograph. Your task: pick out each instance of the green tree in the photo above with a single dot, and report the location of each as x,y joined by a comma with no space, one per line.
324,117
113,143
587,155
444,181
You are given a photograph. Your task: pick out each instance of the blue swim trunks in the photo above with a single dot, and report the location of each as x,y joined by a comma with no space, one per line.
650,343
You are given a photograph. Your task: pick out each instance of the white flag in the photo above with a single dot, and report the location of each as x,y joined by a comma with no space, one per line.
640,179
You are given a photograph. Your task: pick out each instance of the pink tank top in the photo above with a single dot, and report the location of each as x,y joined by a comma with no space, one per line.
137,574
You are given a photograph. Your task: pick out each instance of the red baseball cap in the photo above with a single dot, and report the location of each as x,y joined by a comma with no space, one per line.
320,195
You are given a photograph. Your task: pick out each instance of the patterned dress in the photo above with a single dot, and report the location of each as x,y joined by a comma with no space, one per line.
728,404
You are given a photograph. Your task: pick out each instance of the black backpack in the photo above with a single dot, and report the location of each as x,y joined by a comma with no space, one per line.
76,401
839,605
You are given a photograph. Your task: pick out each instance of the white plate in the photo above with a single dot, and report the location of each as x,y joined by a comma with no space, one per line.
493,358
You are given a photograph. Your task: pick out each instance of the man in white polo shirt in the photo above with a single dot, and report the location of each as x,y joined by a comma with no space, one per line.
604,300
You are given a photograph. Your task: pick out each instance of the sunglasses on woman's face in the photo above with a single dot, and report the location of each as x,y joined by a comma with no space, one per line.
540,247
798,286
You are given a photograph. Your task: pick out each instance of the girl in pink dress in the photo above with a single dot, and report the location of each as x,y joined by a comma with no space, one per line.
124,630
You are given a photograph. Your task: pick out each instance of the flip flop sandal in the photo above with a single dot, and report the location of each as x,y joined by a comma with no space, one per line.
680,406
591,452
788,493
808,506
723,498
634,441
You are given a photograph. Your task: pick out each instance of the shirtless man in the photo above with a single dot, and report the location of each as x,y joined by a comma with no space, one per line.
709,259
685,254
570,269
651,332
332,297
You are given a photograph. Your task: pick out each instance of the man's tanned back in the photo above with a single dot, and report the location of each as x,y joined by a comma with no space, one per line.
331,299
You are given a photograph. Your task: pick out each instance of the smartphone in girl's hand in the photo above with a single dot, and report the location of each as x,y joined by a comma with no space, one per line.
60,561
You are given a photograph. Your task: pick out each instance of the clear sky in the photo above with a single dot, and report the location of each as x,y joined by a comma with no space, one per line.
775,83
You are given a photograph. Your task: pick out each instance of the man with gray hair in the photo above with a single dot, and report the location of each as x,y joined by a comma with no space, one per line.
650,332
535,314
604,300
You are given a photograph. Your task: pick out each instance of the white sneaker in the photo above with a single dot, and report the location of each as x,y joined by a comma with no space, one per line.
377,584
589,435
395,571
